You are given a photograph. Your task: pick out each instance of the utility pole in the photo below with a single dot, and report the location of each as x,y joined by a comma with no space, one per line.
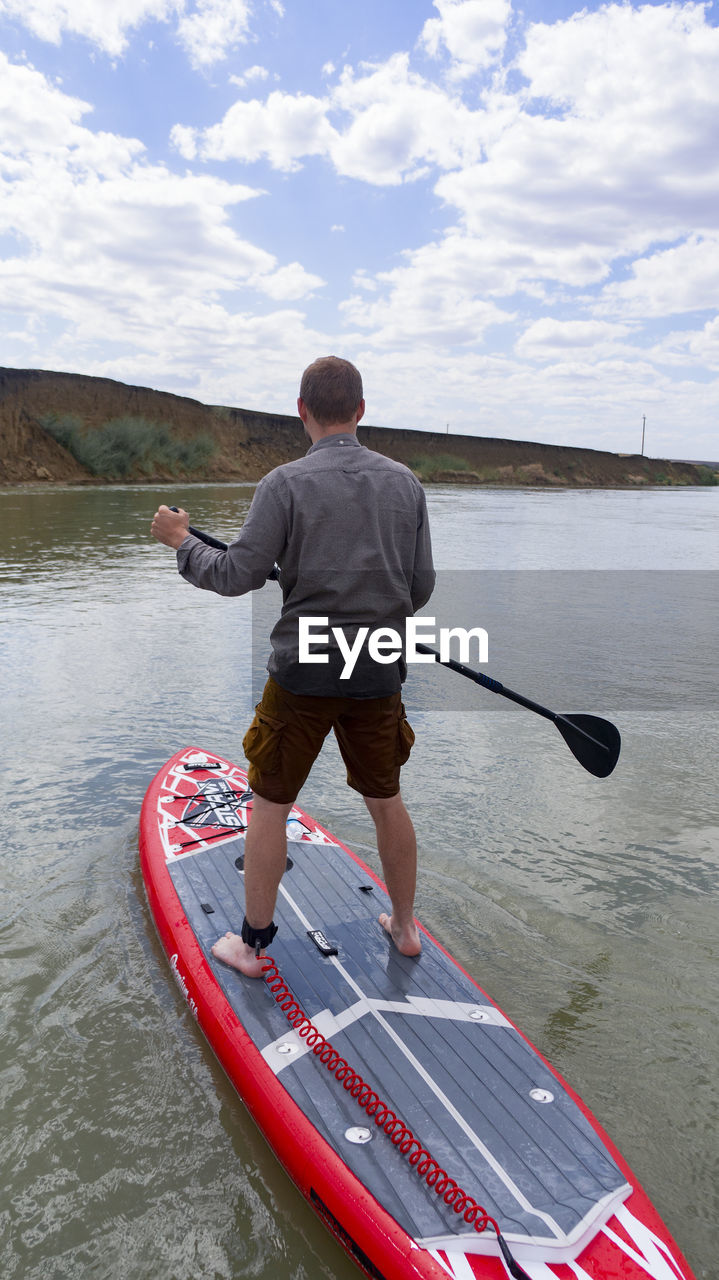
644,423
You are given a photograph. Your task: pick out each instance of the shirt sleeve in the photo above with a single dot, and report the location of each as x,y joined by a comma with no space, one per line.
423,577
249,558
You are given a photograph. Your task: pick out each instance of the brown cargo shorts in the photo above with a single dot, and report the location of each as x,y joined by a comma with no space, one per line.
288,729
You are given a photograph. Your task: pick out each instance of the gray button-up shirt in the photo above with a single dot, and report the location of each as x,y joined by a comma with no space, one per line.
348,528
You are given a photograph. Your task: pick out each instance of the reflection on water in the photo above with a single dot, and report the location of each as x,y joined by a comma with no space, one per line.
580,1014
586,908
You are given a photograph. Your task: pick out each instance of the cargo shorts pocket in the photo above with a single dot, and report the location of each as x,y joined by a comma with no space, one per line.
405,737
261,744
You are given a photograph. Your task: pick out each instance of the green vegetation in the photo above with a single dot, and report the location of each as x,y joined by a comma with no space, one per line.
707,475
427,467
124,447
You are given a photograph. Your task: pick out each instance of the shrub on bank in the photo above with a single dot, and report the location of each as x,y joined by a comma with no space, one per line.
124,447
427,466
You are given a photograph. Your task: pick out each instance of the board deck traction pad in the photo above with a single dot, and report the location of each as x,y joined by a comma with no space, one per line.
427,1040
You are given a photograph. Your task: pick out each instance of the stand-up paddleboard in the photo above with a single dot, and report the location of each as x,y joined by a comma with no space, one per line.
424,1129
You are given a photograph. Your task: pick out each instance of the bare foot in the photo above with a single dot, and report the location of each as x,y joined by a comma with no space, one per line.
233,951
407,940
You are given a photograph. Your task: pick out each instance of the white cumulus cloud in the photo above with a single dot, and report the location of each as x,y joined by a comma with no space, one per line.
382,124
208,30
549,338
562,243
669,282
473,32
111,248
213,28
250,76
105,24
398,124
284,128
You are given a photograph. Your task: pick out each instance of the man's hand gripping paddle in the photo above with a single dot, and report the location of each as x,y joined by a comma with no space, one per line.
594,742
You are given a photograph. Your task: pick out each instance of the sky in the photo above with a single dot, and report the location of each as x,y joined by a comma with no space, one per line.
506,214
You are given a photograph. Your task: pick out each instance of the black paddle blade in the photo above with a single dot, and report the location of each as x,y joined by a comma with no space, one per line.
596,743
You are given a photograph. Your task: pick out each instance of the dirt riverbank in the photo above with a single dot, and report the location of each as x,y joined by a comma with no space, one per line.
246,444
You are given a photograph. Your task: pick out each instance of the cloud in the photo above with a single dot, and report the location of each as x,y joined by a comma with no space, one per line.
566,193
549,338
606,151
473,32
285,128
288,283
607,147
696,348
113,250
669,282
383,124
435,294
250,75
616,142
38,114
398,125
105,25
208,30
184,139
214,28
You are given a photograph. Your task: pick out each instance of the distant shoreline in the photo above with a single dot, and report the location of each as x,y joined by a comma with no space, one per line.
63,429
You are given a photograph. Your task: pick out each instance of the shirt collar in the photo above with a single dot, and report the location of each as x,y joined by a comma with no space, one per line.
340,437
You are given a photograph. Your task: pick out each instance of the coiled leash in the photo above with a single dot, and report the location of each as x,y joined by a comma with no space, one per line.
421,1160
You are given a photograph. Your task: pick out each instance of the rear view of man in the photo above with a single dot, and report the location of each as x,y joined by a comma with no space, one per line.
348,528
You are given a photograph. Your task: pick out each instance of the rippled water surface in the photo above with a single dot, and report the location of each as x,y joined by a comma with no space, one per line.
587,909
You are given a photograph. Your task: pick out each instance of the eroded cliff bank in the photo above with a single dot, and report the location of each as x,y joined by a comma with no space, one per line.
40,409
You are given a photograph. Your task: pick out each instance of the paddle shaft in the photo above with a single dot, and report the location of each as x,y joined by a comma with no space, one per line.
496,687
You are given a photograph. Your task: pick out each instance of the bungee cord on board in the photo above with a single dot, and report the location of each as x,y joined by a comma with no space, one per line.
421,1160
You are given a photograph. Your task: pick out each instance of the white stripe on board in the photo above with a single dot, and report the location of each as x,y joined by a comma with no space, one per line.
438,1258
456,1265
579,1272
654,1252
329,1024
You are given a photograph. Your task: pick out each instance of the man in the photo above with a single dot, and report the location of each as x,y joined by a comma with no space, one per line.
348,528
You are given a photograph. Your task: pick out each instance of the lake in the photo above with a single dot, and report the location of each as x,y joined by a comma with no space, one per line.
587,909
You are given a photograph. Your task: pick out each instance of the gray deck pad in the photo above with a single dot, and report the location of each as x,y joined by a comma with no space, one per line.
424,1037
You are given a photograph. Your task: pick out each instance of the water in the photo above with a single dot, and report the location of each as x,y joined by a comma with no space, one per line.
587,909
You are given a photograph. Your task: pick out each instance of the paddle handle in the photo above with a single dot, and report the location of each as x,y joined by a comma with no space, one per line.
207,538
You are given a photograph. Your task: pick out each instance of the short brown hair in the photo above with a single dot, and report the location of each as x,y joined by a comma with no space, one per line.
332,389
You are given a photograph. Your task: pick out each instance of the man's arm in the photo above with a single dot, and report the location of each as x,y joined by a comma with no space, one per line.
248,560
423,576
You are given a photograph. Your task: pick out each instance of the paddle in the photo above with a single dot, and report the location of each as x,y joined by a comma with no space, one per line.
594,742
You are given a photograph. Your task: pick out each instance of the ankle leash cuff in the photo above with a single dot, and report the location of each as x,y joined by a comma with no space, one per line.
258,938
